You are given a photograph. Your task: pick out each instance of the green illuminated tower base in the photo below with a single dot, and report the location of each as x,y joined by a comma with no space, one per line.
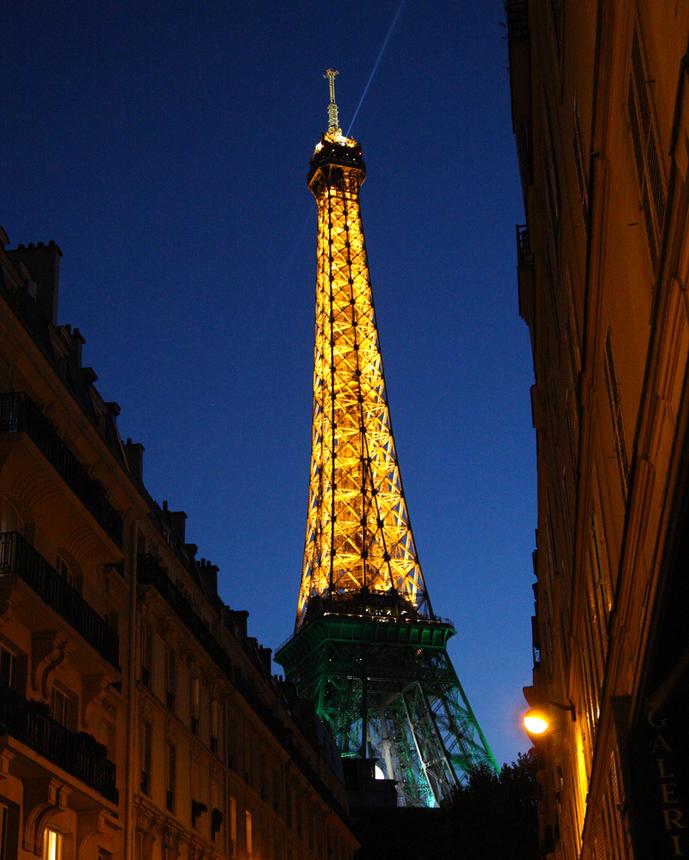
388,690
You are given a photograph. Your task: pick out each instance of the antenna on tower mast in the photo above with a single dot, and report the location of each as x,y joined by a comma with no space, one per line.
333,117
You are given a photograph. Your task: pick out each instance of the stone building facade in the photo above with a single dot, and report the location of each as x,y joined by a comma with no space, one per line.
600,105
138,718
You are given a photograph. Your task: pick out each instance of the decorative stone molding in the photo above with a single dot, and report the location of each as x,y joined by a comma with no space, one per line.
9,601
49,649
165,623
6,757
115,586
146,600
147,821
196,851
93,690
43,799
171,841
34,485
145,707
90,826
216,771
173,730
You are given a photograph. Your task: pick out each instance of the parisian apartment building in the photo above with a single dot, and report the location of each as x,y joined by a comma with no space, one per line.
600,108
138,717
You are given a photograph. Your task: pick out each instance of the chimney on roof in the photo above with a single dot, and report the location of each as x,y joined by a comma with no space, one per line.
134,452
43,262
176,521
239,618
209,575
265,655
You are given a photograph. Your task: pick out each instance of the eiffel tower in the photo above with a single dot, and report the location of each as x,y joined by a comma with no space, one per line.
367,647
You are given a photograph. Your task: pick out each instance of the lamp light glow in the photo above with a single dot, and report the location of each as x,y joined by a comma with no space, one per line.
535,722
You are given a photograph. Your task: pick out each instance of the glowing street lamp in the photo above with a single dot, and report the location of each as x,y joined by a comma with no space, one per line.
537,722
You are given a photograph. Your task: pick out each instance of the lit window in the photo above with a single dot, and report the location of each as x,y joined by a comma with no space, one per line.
52,845
233,825
249,834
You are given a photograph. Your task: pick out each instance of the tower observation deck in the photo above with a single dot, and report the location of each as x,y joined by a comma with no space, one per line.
367,647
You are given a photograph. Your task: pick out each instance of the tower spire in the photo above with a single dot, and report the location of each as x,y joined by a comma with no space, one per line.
333,116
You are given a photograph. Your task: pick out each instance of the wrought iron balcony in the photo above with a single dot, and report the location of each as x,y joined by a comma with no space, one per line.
19,558
19,414
150,572
76,752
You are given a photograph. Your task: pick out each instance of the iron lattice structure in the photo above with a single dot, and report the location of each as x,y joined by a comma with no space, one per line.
367,648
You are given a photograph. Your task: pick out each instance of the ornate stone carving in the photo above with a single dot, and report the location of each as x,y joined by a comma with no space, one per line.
48,650
90,825
6,757
94,688
9,601
43,799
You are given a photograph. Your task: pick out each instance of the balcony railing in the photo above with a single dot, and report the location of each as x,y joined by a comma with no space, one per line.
150,572
20,558
18,413
76,752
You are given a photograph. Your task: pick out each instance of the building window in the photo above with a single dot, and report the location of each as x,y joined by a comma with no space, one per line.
9,830
249,834
581,161
146,653
215,724
146,749
4,813
646,153
52,845
288,805
170,678
7,667
554,197
195,704
171,777
233,825
197,809
63,706
216,823
616,410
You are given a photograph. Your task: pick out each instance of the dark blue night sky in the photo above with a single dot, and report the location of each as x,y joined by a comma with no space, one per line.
164,146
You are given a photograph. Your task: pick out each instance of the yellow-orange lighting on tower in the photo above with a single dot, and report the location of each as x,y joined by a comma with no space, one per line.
535,722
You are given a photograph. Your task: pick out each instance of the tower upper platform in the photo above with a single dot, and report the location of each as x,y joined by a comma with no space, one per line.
335,148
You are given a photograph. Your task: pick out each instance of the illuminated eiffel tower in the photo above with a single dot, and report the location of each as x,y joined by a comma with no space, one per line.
367,647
